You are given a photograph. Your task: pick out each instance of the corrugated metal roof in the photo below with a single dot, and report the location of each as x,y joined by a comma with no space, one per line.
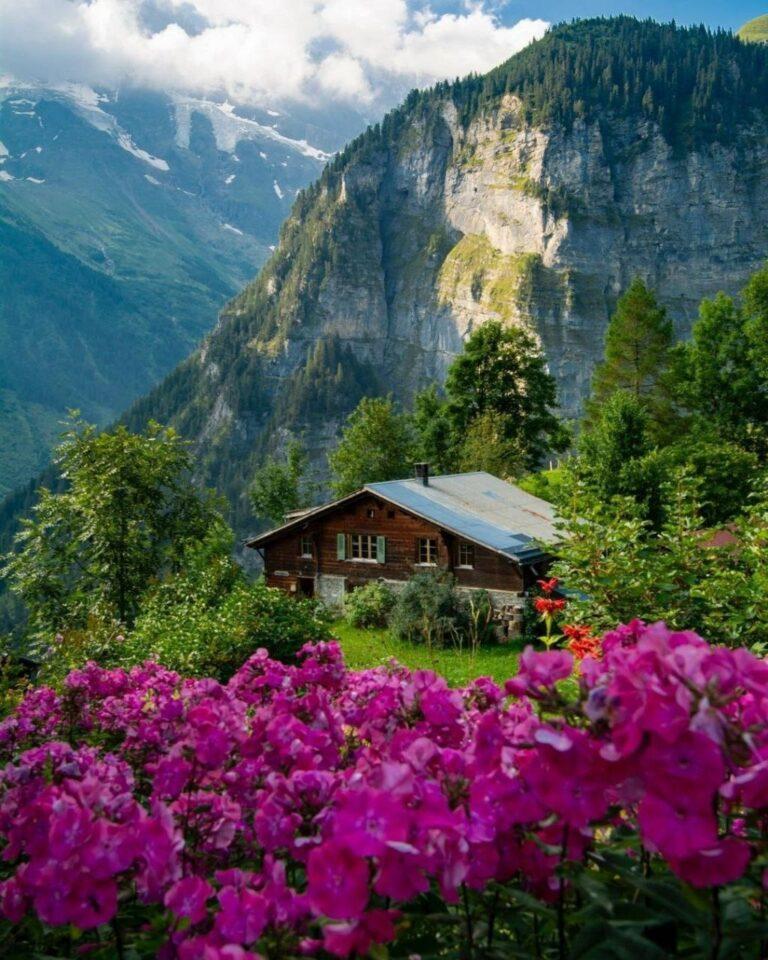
480,507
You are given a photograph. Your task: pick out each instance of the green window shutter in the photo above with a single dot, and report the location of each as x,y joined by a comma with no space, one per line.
381,549
341,546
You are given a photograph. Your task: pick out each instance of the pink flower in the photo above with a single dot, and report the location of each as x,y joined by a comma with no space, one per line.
367,820
188,897
722,863
243,915
539,672
337,881
679,828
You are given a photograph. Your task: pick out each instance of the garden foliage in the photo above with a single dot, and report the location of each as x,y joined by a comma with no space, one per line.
369,605
308,809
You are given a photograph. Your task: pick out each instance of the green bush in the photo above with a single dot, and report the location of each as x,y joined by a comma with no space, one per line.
212,631
369,605
431,610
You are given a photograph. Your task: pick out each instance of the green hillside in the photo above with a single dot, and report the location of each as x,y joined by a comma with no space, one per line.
756,30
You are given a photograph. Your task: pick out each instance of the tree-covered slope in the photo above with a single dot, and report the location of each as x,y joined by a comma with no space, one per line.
126,222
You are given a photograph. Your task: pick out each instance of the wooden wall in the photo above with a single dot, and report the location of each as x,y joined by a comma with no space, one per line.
402,532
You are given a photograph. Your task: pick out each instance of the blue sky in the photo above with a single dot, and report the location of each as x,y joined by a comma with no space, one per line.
715,14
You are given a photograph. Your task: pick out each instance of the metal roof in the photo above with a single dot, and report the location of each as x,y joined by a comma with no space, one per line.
479,507
476,506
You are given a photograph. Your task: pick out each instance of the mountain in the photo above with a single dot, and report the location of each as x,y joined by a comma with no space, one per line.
127,219
608,149
756,30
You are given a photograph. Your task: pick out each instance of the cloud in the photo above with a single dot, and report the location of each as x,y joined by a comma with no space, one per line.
255,50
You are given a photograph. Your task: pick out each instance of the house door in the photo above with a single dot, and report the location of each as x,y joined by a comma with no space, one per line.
307,586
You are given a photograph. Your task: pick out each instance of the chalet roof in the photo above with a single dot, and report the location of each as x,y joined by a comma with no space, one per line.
476,506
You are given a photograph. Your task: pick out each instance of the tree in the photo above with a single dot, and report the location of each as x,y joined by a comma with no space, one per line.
376,444
486,447
637,354
432,428
281,485
126,516
614,454
721,373
502,371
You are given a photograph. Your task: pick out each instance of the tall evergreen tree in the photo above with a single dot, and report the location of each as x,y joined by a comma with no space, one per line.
637,355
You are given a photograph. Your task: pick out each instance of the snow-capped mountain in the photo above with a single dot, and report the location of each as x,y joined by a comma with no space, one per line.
127,218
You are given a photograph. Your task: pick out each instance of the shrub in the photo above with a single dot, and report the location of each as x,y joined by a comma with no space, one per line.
369,605
430,610
212,631
306,809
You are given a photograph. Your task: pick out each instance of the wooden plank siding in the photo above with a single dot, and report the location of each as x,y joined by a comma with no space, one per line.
402,530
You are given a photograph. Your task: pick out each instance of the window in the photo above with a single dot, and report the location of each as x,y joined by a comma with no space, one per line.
363,546
306,547
428,550
466,555
371,513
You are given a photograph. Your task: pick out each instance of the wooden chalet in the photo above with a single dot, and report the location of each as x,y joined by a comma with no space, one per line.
488,533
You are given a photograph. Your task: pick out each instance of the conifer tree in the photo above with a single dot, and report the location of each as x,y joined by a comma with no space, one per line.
637,355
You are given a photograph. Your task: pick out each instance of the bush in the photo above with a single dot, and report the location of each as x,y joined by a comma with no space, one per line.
211,632
312,810
430,610
369,605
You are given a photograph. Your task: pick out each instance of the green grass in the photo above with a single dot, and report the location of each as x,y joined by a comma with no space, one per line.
373,648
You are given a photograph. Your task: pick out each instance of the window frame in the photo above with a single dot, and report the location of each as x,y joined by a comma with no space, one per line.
426,547
303,540
370,540
468,561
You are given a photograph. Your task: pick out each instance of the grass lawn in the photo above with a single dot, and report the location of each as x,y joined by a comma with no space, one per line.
372,648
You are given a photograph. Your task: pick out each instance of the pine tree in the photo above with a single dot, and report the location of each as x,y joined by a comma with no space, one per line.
637,356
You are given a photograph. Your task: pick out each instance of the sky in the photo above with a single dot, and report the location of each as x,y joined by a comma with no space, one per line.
262,51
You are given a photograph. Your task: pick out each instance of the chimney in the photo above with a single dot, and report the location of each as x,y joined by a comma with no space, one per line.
422,473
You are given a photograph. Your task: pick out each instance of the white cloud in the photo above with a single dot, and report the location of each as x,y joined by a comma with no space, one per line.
254,50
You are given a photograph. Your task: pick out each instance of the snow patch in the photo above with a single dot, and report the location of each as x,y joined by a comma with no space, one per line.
278,191
38,149
273,113
262,155
35,180
230,178
5,176
125,141
3,150
229,128
152,179
228,226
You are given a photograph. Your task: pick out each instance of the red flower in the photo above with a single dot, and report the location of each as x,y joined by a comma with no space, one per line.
548,586
547,606
581,643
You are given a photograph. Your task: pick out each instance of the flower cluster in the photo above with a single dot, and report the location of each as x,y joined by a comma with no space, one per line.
302,809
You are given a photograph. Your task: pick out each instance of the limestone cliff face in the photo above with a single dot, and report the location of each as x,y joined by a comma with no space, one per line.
542,227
